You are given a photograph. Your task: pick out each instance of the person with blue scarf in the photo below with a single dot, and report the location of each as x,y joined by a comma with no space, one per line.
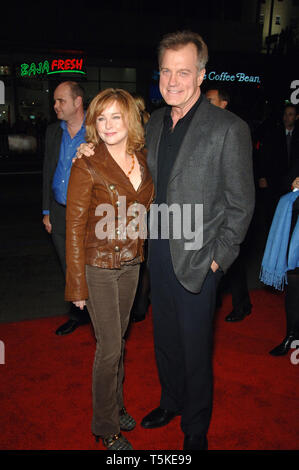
280,265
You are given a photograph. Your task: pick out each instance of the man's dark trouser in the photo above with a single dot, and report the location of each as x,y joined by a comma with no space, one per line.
237,279
183,333
57,219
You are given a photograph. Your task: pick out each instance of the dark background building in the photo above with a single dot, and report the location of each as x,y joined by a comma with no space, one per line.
117,43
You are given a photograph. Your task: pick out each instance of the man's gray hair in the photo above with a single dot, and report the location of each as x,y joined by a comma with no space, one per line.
180,39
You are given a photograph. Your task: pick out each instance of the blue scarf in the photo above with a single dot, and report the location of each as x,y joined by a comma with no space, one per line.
275,263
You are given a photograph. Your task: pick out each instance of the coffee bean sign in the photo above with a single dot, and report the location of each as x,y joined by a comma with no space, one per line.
229,77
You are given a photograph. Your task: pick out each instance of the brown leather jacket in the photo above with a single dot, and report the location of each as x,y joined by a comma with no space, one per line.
93,181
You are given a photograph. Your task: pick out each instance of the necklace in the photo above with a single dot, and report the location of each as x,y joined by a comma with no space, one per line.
133,164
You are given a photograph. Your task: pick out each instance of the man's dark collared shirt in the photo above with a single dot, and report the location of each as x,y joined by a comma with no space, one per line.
170,143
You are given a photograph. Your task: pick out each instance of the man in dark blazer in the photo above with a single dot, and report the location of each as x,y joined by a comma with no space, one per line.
62,139
200,158
236,275
279,150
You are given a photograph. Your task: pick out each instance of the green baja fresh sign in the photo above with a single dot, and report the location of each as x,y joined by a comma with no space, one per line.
52,67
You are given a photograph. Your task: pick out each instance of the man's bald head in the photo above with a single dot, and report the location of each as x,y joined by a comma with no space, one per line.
68,101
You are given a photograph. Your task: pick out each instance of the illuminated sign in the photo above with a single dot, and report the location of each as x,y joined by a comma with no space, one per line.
53,67
2,92
5,70
229,77
295,94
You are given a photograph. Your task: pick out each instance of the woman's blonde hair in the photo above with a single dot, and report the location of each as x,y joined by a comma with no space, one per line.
141,106
129,111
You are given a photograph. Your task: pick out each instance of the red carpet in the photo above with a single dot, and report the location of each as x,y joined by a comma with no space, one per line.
45,392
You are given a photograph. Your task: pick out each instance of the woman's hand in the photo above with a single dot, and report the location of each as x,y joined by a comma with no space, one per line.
84,149
80,304
295,183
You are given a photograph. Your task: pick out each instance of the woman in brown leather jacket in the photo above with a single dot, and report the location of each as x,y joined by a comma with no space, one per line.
108,195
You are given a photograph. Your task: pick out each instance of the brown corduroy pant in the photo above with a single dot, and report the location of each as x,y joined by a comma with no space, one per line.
111,296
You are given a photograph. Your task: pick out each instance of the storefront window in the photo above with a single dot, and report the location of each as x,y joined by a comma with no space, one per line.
113,77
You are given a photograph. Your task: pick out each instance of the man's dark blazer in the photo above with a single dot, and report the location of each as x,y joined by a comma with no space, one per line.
52,151
274,164
213,168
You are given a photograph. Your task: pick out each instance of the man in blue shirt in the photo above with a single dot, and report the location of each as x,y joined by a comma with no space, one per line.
62,139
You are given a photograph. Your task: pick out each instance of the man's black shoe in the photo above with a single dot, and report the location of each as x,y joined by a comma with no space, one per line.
284,347
157,418
195,442
68,327
238,316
